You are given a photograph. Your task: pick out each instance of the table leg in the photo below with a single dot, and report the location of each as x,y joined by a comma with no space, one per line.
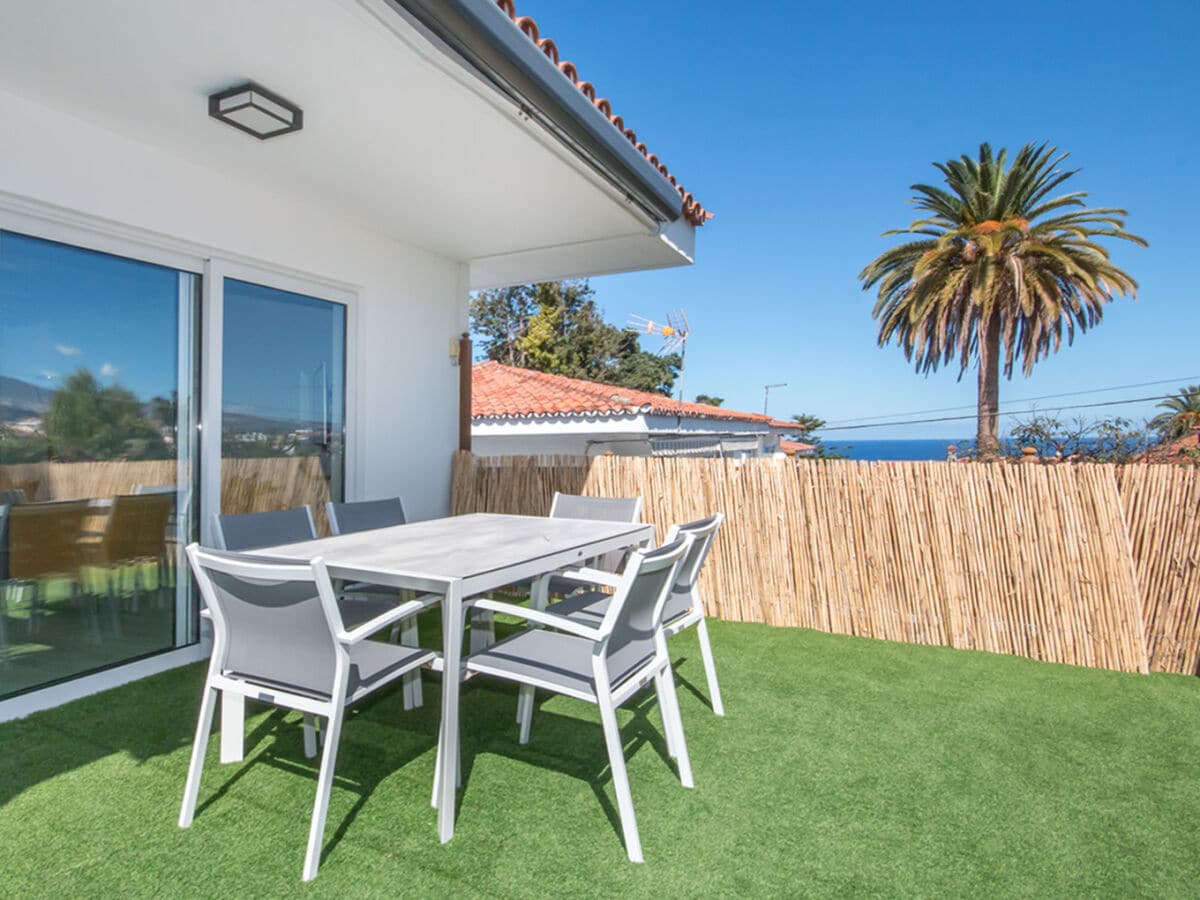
483,630
452,631
539,592
233,727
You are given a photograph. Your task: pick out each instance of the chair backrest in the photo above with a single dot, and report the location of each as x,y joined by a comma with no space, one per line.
599,509
703,532
137,526
249,531
4,508
633,621
274,622
8,499
346,518
43,538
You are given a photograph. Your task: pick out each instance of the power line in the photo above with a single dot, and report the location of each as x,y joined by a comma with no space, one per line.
1009,412
854,420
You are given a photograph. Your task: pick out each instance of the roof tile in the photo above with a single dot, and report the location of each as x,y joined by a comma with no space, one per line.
692,210
500,391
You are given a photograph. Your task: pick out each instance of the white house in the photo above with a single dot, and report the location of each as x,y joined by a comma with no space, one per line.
261,222
520,412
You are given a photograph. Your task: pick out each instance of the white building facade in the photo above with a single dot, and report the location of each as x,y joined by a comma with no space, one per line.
243,307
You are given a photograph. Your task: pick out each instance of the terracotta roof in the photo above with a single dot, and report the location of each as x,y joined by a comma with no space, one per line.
1181,450
499,391
692,210
791,448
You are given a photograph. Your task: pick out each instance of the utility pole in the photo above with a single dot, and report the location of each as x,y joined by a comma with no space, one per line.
767,393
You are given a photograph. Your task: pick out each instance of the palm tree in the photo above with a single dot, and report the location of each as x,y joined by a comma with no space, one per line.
1182,413
1000,266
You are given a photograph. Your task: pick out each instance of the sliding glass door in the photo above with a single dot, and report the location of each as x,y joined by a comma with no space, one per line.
98,459
283,406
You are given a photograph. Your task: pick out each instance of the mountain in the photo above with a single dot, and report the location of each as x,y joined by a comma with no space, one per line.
22,400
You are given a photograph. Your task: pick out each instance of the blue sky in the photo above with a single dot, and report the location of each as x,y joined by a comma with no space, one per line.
63,308
802,125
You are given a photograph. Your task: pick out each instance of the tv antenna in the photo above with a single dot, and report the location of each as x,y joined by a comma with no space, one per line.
674,332
767,393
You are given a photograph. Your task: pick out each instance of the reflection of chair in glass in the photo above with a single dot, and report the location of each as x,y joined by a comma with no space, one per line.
135,538
8,499
43,542
179,513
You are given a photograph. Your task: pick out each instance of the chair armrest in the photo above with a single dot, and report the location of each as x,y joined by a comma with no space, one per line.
365,630
551,620
426,600
587,575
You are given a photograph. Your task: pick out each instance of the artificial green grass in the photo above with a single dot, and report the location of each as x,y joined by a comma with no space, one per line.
843,766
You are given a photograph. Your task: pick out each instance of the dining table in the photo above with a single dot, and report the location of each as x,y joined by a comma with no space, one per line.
457,558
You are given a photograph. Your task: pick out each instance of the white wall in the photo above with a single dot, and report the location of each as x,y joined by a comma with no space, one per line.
409,302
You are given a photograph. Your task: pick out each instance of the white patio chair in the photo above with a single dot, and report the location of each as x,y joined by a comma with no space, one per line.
279,638
604,664
365,515
570,506
684,607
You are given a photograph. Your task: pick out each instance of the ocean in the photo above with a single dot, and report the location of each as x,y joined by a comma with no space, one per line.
921,448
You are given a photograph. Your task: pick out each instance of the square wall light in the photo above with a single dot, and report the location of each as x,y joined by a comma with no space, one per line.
251,108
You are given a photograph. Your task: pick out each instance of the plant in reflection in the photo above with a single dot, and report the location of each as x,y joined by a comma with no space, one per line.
89,421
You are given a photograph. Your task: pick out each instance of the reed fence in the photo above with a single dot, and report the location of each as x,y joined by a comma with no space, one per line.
1087,565
247,485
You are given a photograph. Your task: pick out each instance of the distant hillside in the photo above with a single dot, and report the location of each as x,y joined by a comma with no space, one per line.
21,400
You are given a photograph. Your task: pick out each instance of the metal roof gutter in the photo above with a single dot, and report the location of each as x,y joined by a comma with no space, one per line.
480,36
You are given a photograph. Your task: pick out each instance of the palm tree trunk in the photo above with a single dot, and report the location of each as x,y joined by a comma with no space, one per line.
987,438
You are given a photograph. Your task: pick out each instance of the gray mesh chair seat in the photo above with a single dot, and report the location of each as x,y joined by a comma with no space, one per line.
684,607
279,637
562,662
589,607
372,665
606,664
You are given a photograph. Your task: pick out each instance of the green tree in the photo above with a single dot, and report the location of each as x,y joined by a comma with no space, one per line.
557,327
1182,413
709,400
808,433
89,422
1002,271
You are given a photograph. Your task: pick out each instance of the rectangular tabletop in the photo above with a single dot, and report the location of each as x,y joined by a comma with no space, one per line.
481,550
459,557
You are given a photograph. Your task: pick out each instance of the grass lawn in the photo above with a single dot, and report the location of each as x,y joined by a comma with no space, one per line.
844,766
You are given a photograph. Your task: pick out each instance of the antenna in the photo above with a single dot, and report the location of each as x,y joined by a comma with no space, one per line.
767,393
674,332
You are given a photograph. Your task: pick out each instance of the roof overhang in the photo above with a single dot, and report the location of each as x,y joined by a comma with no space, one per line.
436,124
480,35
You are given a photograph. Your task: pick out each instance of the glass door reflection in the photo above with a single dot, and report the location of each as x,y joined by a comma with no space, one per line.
283,400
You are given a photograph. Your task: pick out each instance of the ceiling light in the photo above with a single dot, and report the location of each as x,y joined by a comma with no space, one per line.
255,110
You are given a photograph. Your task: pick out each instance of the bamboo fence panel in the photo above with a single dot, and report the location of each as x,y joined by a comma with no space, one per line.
1035,561
1161,506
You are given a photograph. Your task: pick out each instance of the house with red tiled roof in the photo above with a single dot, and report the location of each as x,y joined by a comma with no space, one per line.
522,412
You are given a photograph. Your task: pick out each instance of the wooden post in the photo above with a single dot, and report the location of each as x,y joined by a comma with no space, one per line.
464,392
